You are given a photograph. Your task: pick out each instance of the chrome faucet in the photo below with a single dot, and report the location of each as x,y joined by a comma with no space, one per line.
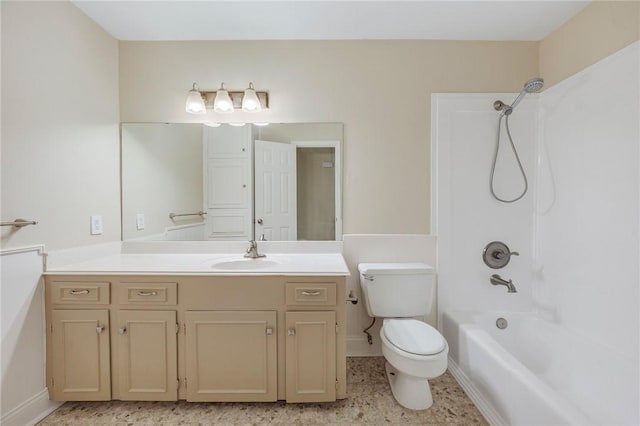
497,280
252,251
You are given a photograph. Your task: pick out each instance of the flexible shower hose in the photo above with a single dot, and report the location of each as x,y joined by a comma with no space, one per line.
495,159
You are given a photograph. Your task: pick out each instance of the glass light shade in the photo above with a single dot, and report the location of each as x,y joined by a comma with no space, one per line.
223,102
195,103
250,101
237,124
212,124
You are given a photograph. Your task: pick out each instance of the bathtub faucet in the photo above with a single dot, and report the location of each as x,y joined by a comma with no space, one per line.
497,280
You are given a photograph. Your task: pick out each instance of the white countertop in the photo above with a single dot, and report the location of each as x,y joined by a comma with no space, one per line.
208,264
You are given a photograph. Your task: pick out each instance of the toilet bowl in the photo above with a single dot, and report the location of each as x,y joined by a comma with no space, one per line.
415,352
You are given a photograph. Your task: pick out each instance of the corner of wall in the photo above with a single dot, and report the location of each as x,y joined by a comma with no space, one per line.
602,28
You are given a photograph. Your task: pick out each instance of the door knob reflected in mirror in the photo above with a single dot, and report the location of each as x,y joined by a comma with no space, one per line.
260,221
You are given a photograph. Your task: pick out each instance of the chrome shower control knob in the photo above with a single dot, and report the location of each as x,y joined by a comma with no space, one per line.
496,254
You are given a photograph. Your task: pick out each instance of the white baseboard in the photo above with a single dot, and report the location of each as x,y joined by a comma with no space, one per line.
31,411
358,346
484,406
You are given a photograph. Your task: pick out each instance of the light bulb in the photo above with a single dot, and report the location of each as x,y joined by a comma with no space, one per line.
223,102
250,101
195,103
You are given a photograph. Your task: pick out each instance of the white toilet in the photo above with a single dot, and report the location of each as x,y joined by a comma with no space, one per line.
415,351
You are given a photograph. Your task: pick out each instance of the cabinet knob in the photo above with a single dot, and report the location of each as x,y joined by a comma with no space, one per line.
99,329
291,332
122,330
269,331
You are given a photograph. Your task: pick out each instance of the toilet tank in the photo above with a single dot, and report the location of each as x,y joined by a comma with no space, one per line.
395,290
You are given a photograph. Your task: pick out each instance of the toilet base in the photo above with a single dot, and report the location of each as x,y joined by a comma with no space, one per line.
410,392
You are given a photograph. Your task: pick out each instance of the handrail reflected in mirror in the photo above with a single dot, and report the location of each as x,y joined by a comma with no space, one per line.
224,173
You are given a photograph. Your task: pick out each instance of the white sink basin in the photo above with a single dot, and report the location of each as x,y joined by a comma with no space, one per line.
244,264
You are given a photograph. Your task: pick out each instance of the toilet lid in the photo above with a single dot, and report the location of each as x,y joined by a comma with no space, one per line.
413,336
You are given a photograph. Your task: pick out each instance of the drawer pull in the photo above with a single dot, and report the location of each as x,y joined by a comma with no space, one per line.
311,293
147,293
79,292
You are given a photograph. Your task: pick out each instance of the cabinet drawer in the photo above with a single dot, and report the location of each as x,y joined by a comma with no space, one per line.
148,293
87,293
310,294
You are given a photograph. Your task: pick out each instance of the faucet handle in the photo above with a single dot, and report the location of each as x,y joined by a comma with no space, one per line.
496,254
502,254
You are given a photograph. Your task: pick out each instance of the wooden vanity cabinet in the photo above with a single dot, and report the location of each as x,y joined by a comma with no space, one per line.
197,338
80,369
311,356
231,356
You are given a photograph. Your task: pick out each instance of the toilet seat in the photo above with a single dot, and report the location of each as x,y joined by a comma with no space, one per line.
413,336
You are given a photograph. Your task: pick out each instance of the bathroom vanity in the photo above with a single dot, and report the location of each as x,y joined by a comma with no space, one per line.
197,328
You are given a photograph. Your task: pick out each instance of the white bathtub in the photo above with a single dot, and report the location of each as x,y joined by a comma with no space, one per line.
536,373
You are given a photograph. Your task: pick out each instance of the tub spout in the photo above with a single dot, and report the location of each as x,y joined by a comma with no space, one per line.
498,280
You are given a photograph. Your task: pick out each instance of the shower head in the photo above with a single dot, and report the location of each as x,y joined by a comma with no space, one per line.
531,86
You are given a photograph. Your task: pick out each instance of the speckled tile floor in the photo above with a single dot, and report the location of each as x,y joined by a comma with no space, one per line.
370,402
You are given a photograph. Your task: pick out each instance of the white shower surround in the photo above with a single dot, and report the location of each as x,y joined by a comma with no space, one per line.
577,229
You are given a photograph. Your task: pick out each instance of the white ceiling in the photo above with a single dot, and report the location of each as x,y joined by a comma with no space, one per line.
330,20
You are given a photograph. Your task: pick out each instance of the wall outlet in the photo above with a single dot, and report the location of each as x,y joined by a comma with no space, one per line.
96,225
140,221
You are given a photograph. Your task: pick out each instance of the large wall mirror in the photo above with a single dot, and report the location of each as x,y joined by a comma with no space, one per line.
193,182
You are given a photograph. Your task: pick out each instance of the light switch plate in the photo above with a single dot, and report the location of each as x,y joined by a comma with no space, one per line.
140,221
96,225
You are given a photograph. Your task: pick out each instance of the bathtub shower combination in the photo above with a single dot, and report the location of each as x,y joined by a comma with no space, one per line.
544,331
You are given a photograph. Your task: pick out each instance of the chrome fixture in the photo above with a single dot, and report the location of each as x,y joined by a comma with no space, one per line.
497,280
174,215
502,323
531,86
225,101
252,251
497,255
19,223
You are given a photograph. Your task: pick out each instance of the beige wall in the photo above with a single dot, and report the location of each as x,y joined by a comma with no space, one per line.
601,29
60,161
60,73
380,90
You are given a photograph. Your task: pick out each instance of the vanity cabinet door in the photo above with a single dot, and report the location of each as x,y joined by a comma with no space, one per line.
231,355
81,368
147,355
311,356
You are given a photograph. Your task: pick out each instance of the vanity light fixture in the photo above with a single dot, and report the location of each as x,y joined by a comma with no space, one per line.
250,101
195,102
225,101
